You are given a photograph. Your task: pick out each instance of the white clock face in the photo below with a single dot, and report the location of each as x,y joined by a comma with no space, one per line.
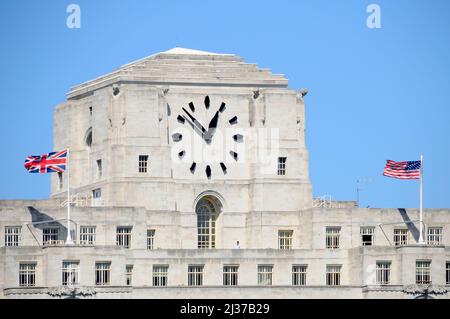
203,134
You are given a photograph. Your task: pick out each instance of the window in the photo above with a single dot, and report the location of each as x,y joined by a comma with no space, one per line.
129,275
332,237
434,235
195,275
265,275
299,275
333,275
87,235
285,239
281,165
88,137
230,275
103,273
70,271
160,275
123,236
447,272
97,197
367,235
12,235
150,239
27,274
383,273
400,236
423,272
50,235
99,168
206,224
60,181
143,163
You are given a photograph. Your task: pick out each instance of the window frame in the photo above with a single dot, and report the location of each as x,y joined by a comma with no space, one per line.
143,163
383,270
160,275
399,237
230,275
70,276
367,231
13,236
124,239
333,275
195,275
332,237
423,272
282,165
285,239
27,275
88,235
299,275
435,238
102,273
265,275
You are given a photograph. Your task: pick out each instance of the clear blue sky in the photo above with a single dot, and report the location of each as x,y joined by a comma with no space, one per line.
375,94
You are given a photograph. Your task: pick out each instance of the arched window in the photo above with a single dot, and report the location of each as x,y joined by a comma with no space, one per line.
207,214
88,137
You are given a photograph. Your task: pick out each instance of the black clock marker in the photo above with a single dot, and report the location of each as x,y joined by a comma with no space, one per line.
177,137
234,155
207,102
238,138
192,107
180,119
233,120
181,154
208,172
222,107
192,169
224,168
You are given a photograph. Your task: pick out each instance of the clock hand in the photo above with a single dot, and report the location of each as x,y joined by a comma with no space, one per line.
212,127
195,127
197,123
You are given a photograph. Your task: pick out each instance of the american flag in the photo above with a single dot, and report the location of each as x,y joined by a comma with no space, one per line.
402,170
54,162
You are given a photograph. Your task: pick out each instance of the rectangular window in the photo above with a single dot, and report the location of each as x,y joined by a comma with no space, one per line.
70,273
281,165
383,273
332,237
123,236
97,193
434,235
400,236
129,275
299,275
447,272
87,235
423,272
195,275
103,273
60,181
265,275
13,235
150,239
334,275
27,274
50,235
230,275
367,235
160,273
99,168
285,239
143,163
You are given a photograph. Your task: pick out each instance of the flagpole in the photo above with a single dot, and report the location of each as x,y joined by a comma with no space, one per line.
69,240
421,241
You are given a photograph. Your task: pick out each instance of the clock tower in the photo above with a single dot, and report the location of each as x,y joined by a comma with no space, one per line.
201,137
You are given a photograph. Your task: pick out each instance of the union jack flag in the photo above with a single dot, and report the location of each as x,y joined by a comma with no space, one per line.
402,170
54,162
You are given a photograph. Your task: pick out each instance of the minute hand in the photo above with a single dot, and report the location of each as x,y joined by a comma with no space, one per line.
197,123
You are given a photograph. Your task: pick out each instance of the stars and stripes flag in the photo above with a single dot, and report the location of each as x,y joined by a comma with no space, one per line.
54,162
402,170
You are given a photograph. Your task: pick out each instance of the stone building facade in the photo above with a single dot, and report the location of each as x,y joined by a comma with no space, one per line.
189,179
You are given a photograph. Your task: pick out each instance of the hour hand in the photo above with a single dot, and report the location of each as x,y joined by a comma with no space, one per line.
212,127
193,119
